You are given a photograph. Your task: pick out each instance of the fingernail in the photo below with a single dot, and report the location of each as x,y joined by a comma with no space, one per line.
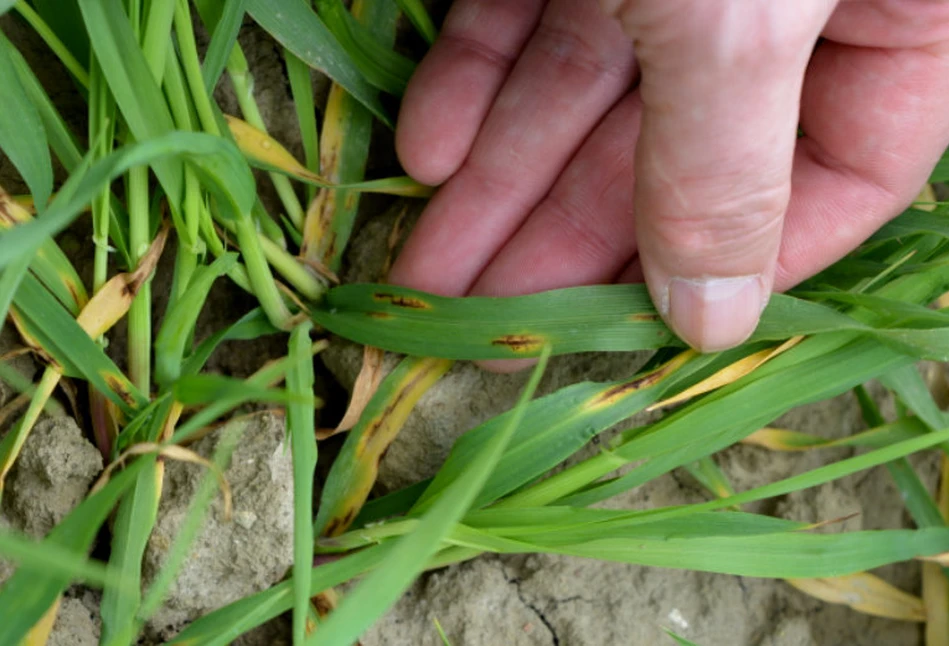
713,314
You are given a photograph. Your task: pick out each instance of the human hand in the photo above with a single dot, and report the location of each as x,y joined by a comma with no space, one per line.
530,111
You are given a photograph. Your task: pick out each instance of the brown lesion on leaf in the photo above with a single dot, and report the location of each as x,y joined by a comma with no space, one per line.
520,343
379,315
323,603
339,524
332,527
351,201
330,251
74,293
643,317
383,420
372,429
318,226
615,393
399,300
118,387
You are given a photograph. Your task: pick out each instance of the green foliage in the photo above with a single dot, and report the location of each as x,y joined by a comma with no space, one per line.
152,113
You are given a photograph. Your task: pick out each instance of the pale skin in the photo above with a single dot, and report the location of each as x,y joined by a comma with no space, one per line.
580,142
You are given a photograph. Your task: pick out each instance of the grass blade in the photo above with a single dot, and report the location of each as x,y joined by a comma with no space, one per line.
60,138
383,586
710,476
178,324
191,525
297,27
133,525
131,82
222,626
218,162
555,427
601,318
578,319
301,426
30,555
776,439
50,264
10,279
347,131
252,325
224,28
26,596
909,386
61,336
22,136
301,87
790,555
417,14
819,368
681,641
379,64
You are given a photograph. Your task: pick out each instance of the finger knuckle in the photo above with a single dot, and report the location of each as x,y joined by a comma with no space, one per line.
578,224
471,48
723,229
573,51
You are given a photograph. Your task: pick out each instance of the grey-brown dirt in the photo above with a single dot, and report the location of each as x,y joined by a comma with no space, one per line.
230,559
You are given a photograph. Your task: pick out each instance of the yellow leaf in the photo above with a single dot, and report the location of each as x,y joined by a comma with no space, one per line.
13,212
779,439
865,593
39,634
926,200
113,299
729,374
319,240
943,301
614,393
266,150
936,598
377,433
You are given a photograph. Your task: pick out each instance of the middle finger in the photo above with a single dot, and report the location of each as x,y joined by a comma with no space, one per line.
576,65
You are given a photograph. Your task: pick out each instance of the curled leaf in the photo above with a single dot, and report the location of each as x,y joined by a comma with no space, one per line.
865,593
367,382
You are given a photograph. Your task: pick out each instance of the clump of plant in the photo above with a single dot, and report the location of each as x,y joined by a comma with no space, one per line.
162,165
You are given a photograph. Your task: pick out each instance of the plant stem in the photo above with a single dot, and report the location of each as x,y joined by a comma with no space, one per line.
258,272
101,135
191,64
140,313
190,246
287,265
